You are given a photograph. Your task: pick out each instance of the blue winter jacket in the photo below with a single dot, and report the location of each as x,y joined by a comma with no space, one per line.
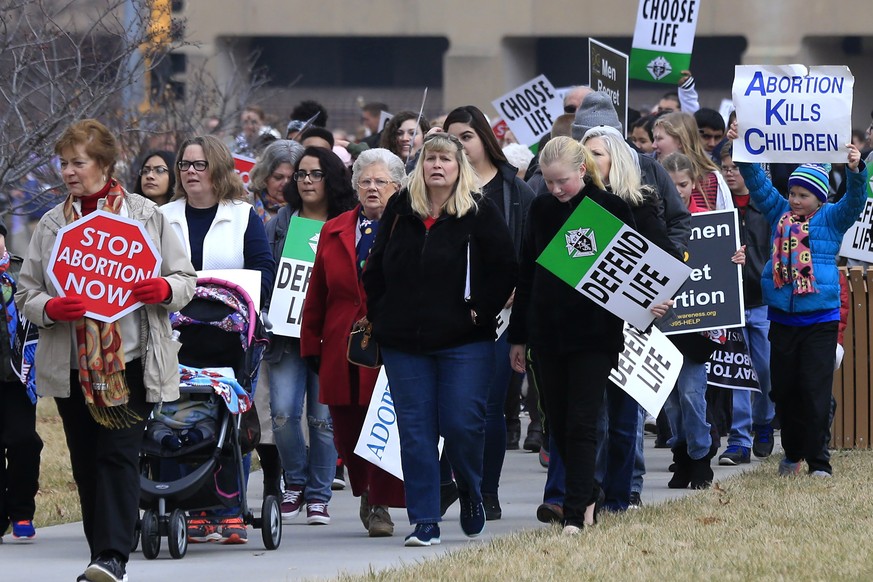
826,230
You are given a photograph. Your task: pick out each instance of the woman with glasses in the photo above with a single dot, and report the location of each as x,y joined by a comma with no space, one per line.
335,301
320,189
498,182
157,179
403,137
219,230
437,277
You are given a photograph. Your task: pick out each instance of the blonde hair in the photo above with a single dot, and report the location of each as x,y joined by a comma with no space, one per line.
683,128
461,200
677,162
624,172
226,183
563,149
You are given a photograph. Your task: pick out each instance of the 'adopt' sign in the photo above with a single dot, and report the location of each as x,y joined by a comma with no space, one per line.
792,114
292,279
663,40
612,264
712,296
530,109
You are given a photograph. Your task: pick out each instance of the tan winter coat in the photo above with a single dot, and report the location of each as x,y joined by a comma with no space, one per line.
160,351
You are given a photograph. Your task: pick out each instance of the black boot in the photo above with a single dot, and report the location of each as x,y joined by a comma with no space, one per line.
682,470
701,472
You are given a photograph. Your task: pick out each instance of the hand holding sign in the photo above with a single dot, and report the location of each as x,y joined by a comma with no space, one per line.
151,291
65,308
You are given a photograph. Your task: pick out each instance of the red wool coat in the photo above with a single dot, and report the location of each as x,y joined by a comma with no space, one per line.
334,301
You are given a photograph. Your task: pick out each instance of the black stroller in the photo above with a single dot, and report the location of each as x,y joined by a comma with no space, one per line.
219,328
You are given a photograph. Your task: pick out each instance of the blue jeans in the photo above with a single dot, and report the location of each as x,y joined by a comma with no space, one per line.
752,408
686,409
639,459
495,419
291,381
443,392
616,446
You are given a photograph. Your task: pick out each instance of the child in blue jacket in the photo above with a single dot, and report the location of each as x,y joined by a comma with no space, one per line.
801,287
20,445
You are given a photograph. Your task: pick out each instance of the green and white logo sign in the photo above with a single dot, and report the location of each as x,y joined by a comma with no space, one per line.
612,264
663,39
292,279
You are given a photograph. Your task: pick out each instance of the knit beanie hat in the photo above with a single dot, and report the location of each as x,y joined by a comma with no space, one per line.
813,177
596,109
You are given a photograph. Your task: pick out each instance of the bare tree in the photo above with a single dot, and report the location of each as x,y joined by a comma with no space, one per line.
65,60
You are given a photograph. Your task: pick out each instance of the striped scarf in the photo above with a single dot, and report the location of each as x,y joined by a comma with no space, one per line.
99,349
792,259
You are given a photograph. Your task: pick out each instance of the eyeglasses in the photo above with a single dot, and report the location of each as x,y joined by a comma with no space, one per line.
158,170
729,169
199,165
314,176
378,183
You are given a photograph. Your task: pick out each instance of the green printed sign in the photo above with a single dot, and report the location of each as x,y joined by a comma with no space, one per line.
663,40
292,278
612,264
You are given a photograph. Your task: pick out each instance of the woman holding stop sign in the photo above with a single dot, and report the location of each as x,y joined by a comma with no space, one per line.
105,377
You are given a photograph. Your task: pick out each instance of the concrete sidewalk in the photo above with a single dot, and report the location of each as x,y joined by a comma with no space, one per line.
60,553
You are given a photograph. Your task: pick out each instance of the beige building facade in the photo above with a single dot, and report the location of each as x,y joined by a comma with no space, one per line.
492,44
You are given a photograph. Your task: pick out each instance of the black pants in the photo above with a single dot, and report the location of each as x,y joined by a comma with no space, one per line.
572,387
20,446
106,466
802,376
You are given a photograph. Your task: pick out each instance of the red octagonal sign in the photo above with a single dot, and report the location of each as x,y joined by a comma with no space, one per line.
99,258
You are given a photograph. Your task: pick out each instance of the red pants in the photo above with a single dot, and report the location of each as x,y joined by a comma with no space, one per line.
382,487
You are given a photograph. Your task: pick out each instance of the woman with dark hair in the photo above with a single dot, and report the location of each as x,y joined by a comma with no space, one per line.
320,189
403,137
156,179
498,182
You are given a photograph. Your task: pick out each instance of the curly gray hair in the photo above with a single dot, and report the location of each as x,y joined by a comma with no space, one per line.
281,151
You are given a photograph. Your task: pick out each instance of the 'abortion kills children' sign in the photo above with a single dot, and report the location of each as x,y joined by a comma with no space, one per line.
612,264
292,279
791,114
530,109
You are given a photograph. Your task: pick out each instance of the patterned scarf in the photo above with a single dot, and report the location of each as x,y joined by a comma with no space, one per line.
99,349
792,259
368,229
264,207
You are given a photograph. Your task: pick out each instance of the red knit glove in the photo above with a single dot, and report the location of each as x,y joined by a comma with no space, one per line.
65,308
155,290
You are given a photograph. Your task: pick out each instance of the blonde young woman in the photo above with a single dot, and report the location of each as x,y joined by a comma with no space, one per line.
441,269
678,132
573,342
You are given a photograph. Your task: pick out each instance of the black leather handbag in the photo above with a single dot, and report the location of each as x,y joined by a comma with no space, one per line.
363,349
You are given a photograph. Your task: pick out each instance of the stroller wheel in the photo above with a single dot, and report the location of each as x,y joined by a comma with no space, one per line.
271,523
151,536
177,536
136,533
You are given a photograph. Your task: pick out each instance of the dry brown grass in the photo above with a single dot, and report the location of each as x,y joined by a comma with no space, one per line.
752,526
57,500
